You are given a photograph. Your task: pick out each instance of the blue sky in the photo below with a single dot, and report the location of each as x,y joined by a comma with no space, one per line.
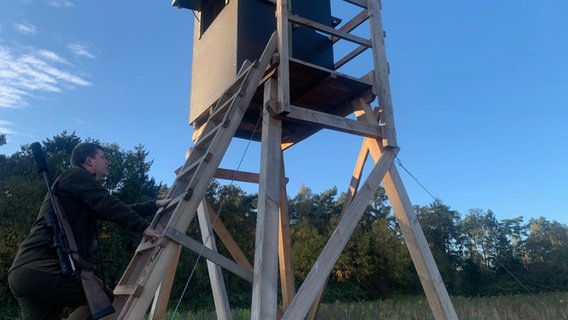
479,88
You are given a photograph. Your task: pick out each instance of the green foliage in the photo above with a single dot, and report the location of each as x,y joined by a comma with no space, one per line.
23,190
476,254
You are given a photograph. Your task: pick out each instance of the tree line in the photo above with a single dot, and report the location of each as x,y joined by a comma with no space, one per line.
477,254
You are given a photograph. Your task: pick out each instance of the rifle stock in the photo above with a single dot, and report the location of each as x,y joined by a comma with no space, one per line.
96,293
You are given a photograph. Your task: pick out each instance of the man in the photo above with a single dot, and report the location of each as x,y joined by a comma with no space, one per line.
35,277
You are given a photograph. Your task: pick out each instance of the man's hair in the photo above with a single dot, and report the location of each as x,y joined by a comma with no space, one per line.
82,151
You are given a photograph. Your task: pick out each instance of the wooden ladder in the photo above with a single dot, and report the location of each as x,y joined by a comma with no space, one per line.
150,274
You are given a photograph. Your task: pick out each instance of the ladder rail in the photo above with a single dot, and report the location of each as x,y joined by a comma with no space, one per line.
141,280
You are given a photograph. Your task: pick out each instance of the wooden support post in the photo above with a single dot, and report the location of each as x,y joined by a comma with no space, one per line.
420,253
162,297
264,289
381,75
322,267
215,275
282,25
285,246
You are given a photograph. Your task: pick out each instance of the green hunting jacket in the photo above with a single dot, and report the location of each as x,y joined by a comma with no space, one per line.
84,200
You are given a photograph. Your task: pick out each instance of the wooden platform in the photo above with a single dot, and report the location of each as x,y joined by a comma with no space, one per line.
311,87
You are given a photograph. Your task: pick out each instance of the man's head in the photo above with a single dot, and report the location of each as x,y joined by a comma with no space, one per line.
90,156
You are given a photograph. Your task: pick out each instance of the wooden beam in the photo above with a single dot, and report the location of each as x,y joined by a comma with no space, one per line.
322,267
360,3
220,298
361,109
382,84
264,303
235,175
285,247
329,30
350,56
284,49
162,297
352,24
415,240
207,253
332,122
228,241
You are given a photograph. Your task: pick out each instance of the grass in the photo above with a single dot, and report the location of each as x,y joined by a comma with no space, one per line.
547,306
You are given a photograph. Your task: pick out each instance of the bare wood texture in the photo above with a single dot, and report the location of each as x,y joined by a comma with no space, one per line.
352,24
228,241
322,267
282,30
264,289
337,123
416,243
207,253
350,56
162,297
220,298
285,246
382,83
234,175
329,30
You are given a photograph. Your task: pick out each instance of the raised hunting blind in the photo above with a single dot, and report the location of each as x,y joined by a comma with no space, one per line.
274,61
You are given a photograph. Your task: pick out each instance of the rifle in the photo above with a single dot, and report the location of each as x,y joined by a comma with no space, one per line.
64,242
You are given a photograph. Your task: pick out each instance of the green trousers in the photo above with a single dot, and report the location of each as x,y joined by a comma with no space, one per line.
43,292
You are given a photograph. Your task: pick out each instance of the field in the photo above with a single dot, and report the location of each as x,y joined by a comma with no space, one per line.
549,306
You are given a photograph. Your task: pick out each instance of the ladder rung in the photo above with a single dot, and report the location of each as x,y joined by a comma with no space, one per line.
239,83
128,290
149,245
193,166
221,110
204,139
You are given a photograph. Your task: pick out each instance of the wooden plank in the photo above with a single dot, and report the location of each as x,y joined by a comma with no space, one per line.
228,241
350,56
332,122
135,307
131,289
264,303
235,175
222,308
352,24
360,3
329,30
207,253
415,240
351,191
282,30
162,297
285,246
382,84
322,267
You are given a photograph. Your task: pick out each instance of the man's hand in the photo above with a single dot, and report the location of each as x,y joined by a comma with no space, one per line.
151,234
163,202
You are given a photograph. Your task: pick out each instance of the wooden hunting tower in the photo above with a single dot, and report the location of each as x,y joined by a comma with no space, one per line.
274,60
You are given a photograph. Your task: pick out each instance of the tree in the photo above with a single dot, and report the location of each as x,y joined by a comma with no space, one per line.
547,254
441,229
